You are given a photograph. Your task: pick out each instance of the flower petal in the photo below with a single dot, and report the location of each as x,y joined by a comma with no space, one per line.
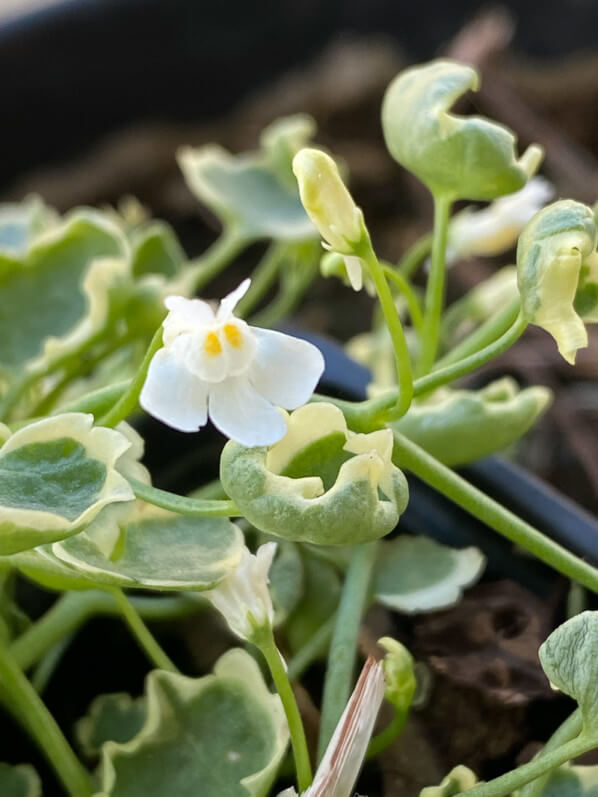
174,395
285,370
185,315
242,414
354,271
228,304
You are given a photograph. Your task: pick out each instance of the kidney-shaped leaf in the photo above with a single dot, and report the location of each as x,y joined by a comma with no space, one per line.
56,294
56,475
166,553
417,574
245,192
569,657
222,735
111,718
19,781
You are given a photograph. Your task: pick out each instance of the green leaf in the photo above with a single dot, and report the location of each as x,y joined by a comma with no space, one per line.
320,600
246,193
557,273
417,574
56,476
56,295
286,490
19,781
460,426
569,657
572,781
286,580
459,779
156,250
222,735
111,718
165,553
21,223
462,157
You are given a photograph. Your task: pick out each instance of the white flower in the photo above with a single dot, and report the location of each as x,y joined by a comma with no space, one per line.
495,228
344,755
213,362
243,597
331,208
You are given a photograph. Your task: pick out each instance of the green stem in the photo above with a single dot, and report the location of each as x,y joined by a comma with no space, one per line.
142,633
267,645
508,783
127,403
203,269
314,648
450,373
98,402
343,647
568,730
368,415
486,333
399,342
181,504
385,738
413,458
290,294
46,668
406,289
262,278
435,287
415,256
34,715
74,609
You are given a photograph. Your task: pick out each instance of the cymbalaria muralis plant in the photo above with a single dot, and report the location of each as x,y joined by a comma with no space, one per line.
103,318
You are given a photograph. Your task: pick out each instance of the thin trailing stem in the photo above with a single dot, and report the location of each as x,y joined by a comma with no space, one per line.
399,342
568,730
267,645
484,335
435,287
385,738
127,403
343,647
413,458
207,266
142,633
415,256
406,289
200,507
263,277
73,609
29,709
508,783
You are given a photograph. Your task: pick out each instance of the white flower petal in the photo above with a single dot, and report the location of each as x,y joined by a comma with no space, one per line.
354,271
185,315
239,346
285,370
242,414
202,354
228,304
173,394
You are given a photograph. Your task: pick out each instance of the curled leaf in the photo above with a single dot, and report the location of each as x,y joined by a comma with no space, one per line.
557,273
569,657
464,157
460,426
321,483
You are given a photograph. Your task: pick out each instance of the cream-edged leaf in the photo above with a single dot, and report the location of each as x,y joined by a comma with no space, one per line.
417,574
222,735
164,553
113,717
19,781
